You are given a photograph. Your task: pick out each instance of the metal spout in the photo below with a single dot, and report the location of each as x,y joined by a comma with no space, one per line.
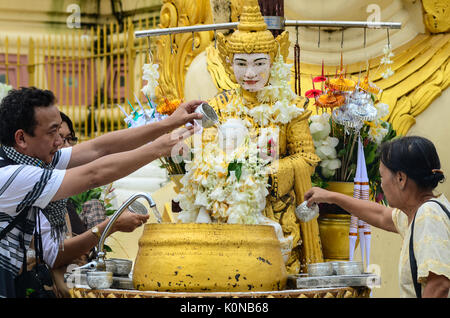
91,266
100,262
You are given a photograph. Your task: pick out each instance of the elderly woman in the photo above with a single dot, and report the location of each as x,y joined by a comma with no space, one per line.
410,171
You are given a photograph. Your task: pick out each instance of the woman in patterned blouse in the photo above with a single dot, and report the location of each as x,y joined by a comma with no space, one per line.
410,171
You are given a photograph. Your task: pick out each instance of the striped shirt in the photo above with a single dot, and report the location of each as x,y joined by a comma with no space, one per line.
20,185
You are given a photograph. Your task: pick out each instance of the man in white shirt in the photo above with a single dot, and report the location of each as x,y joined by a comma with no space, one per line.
35,175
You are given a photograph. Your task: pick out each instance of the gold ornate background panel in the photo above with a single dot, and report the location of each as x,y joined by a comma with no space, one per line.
421,68
417,81
421,65
175,53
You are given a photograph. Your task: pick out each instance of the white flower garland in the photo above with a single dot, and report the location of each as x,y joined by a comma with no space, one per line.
151,75
276,99
386,60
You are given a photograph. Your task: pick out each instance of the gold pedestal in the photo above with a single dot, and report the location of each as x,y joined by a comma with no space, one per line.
209,258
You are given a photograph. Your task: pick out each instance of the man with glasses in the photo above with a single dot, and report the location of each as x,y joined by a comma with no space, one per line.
37,176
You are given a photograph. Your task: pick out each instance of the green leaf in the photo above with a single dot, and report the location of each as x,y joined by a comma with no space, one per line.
238,172
29,291
236,167
109,212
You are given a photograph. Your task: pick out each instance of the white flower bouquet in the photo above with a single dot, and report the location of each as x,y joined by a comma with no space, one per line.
225,182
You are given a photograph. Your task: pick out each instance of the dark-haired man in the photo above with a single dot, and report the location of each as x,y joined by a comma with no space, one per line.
36,176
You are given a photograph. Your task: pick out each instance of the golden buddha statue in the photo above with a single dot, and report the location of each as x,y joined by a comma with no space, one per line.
256,61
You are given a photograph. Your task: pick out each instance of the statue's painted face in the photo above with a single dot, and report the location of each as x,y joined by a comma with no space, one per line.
252,70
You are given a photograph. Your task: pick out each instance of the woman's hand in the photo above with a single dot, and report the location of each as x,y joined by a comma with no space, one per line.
129,221
318,195
185,113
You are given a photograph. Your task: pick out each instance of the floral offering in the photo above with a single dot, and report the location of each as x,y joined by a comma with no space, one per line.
335,132
229,185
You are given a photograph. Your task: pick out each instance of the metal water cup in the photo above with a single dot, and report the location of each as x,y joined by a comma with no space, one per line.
350,268
99,280
210,117
123,266
138,208
320,269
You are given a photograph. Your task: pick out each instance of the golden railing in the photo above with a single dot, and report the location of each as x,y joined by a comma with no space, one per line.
90,71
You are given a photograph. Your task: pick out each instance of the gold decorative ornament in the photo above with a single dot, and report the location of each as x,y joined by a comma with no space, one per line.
334,228
339,292
175,53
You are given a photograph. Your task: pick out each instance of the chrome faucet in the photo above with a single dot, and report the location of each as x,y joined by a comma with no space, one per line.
99,263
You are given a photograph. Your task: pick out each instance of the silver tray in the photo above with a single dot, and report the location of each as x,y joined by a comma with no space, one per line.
80,280
302,281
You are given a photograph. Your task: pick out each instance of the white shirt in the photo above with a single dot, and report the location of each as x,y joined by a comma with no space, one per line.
15,192
49,245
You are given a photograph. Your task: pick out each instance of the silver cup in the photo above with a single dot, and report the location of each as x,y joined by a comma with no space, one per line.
138,208
320,269
99,280
350,268
210,117
123,266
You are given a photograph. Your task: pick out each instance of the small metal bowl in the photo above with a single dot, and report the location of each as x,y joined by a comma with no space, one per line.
99,280
320,269
123,266
110,266
350,268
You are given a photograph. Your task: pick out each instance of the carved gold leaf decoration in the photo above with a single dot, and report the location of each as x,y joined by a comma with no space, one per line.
223,81
175,53
283,41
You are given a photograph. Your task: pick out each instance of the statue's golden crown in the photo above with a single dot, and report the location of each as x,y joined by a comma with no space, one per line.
252,35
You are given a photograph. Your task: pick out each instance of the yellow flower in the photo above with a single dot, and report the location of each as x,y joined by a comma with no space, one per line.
168,107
